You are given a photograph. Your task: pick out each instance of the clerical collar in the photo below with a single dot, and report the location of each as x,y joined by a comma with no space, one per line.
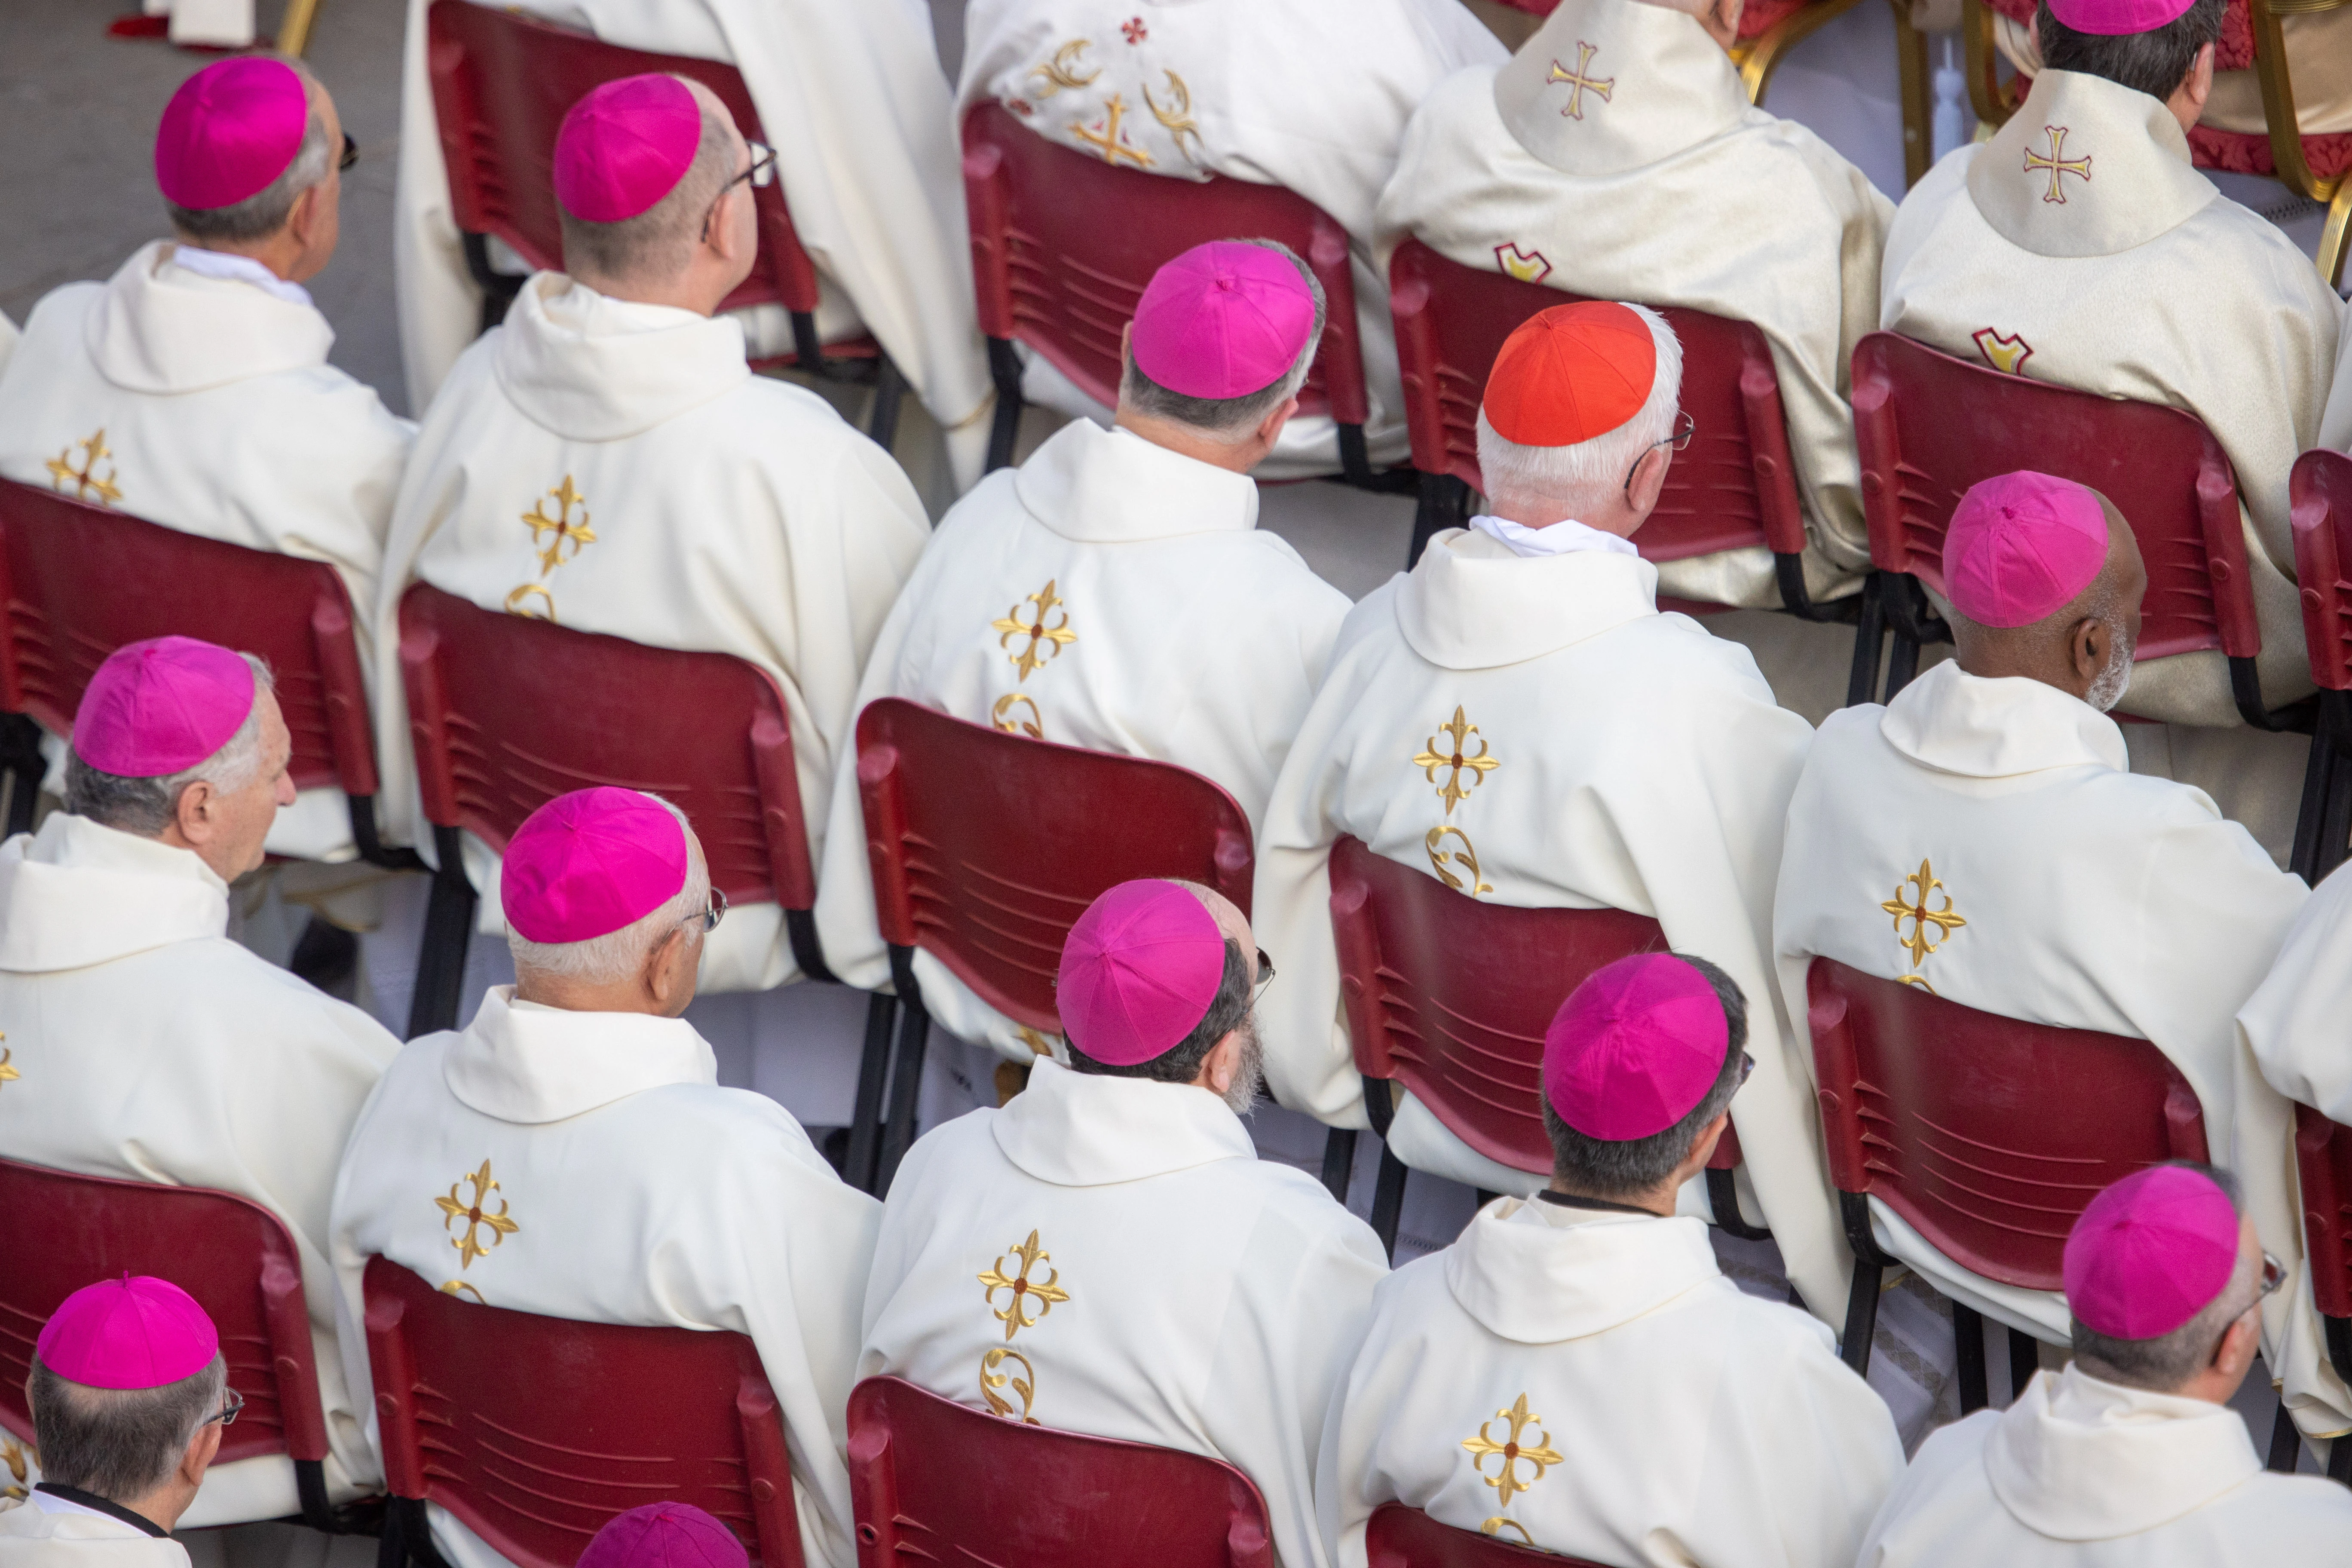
237,270
1565,537
1577,1201
97,1504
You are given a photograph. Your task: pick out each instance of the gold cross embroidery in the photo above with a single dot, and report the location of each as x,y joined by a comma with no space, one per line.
1013,1314
1578,82
1177,119
1062,70
1051,638
1431,759
1918,944
86,481
2058,163
577,534
468,1244
518,603
17,1456
1496,1525
1108,140
1006,716
1466,857
1512,1451
990,1380
7,1073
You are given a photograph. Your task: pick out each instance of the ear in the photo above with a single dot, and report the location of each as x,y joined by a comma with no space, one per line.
1703,1146
1650,479
201,1451
303,218
1727,13
2199,85
2240,1341
2088,648
1269,429
195,813
1219,1066
670,969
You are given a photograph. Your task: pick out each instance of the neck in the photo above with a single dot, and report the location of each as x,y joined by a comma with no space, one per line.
276,251
689,290
158,1509
1234,456
1658,1200
573,995
1613,516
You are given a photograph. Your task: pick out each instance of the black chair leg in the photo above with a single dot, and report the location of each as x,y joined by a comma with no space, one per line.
2339,1461
889,391
873,1072
2324,823
2286,1443
310,1487
1861,1316
1444,502
1387,1200
1968,1339
2025,1360
1338,1161
906,1068
448,931
24,766
1902,664
1004,370
1869,633
1723,1197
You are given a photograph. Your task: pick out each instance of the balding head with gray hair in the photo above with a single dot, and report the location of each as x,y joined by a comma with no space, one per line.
658,245
265,212
1581,482
148,806
616,956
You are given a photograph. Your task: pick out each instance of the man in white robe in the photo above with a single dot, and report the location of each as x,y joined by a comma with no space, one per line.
2336,420
629,1187
1107,1254
606,461
1312,96
1516,715
852,100
1986,810
1115,591
191,389
1616,156
143,1045
2132,1453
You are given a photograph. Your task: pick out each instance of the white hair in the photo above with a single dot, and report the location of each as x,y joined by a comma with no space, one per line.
148,806
1583,476
616,955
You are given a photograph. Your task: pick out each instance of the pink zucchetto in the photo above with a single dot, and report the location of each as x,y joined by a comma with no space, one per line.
625,146
664,1535
1634,1048
1139,971
2111,18
1224,320
2150,1253
231,128
588,863
161,707
133,1332
2021,547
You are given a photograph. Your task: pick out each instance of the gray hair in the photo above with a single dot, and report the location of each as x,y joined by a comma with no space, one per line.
1584,477
1230,418
1623,1169
2168,1361
2155,62
265,212
616,955
148,806
118,1442
657,244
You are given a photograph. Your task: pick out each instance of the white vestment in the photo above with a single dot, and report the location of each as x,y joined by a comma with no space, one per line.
1178,631
45,1532
1661,1417
2086,897
2083,1473
852,100
2014,253
1671,190
1614,758
2335,421
206,403
1312,95
1201,1298
631,1189
615,467
142,1044
9,336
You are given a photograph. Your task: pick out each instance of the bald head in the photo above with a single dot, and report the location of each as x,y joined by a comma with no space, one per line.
691,249
2084,649
1719,17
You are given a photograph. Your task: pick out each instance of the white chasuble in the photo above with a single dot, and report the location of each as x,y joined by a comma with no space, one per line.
1174,1288
142,1044
1108,593
852,100
8,337
1536,733
615,467
1311,95
1617,156
2335,421
45,1532
1590,1384
616,1182
205,403
2058,888
2083,1473
2016,254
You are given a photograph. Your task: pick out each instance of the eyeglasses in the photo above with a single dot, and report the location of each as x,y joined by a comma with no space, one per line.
2274,1276
351,154
761,173
711,917
229,1412
1265,976
1685,429
1747,1065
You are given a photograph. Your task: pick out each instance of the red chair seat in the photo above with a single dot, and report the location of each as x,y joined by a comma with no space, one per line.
1401,1537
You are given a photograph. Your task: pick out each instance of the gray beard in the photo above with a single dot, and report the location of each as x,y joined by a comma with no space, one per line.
1249,1075
2115,681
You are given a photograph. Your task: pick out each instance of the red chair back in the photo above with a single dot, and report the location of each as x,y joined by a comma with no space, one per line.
61,1232
1988,1135
2319,490
502,83
535,1431
1401,1537
941,1482
2323,1158
78,582
1930,425
1734,486
988,847
1063,244
1451,995
508,712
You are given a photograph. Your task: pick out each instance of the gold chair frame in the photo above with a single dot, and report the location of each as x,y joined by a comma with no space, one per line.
1758,57
294,31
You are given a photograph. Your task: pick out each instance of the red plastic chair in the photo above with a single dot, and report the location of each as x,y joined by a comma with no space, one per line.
78,581
61,1232
2319,490
933,1480
1401,1537
1930,425
1736,485
1450,997
534,1431
1063,244
502,83
2323,1160
1987,1135
986,849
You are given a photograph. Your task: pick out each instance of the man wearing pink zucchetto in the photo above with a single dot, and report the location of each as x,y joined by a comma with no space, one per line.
140,1043
1980,838
1107,1254
2131,1455
1115,590
129,1398
1566,1324
571,1153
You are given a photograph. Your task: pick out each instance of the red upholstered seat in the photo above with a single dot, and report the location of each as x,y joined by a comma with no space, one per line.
2323,1162
1401,1537
2319,494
